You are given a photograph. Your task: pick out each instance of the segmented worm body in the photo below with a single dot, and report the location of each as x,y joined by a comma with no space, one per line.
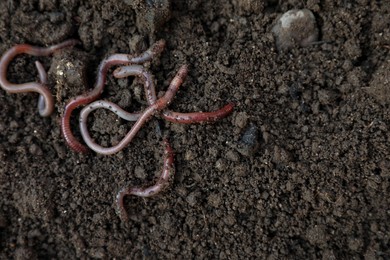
176,117
198,117
115,59
46,103
167,173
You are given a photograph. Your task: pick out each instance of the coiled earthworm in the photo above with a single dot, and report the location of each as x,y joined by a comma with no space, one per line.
115,59
144,117
46,103
163,181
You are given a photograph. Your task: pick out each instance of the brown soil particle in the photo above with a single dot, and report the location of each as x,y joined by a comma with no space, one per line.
299,170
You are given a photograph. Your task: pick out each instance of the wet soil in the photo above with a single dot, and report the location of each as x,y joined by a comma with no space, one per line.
300,170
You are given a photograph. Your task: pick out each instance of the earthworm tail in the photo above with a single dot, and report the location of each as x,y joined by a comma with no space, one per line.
44,109
198,117
166,174
115,59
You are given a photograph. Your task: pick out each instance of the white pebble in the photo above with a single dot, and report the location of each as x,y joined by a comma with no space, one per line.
295,27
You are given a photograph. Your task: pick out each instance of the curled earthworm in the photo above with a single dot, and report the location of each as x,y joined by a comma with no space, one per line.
115,59
142,118
46,103
168,170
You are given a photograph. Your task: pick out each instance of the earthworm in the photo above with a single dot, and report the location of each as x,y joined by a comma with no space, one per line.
115,59
181,118
167,173
46,103
198,117
144,117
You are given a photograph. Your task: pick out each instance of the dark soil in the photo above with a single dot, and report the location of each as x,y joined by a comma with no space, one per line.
300,170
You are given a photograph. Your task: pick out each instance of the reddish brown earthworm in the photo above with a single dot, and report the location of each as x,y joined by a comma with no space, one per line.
46,103
144,117
162,182
175,117
198,117
115,59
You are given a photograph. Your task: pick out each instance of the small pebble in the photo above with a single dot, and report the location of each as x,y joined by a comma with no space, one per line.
295,27
249,141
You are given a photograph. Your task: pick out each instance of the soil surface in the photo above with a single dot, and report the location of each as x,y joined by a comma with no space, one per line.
299,170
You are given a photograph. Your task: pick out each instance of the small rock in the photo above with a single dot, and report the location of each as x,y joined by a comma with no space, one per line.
249,141
295,27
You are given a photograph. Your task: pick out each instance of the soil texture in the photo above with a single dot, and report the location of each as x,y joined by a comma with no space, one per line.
299,170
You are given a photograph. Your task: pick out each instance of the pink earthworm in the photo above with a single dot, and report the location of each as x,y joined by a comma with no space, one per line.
144,117
115,59
46,103
167,173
